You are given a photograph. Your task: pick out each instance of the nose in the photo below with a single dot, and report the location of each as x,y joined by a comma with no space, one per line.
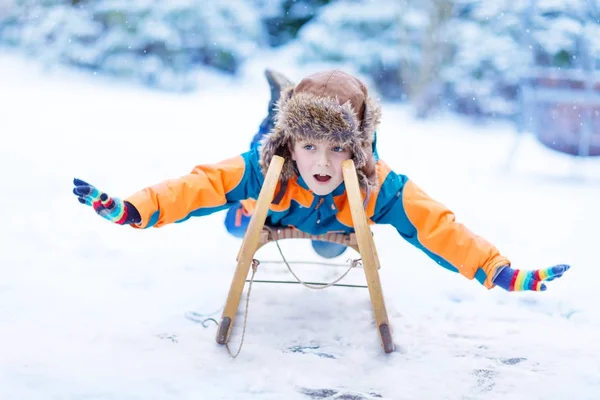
324,160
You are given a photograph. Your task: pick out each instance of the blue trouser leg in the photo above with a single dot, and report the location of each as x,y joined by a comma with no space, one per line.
328,249
237,220
264,128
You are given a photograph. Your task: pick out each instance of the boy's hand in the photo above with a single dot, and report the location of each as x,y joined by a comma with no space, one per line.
113,209
519,280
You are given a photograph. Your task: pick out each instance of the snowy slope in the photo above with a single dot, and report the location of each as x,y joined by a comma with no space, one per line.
95,311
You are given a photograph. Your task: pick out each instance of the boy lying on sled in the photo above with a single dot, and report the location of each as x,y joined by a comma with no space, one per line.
325,119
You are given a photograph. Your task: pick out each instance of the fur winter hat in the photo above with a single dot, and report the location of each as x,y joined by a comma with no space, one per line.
330,105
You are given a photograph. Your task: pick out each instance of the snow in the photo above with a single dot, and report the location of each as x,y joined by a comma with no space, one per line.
96,311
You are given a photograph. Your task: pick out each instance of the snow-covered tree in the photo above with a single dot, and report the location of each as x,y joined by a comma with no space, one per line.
464,55
283,18
557,29
489,57
423,51
496,43
157,42
377,37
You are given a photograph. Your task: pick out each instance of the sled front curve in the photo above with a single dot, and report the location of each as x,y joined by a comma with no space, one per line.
249,246
368,253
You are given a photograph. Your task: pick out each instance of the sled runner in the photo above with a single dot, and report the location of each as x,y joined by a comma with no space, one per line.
257,235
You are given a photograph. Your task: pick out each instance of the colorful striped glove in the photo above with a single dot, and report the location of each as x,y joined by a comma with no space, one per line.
113,209
518,280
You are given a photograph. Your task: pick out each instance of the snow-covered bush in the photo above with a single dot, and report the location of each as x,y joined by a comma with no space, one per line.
558,26
497,42
433,53
489,57
283,18
465,55
377,37
157,42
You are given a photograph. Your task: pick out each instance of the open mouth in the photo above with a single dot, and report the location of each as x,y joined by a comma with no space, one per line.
322,177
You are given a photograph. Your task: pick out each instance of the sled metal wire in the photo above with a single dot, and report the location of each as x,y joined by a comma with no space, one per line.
257,235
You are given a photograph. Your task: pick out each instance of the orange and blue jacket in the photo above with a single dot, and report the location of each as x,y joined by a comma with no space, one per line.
419,219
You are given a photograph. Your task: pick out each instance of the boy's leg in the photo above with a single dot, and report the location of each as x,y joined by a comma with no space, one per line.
276,82
328,249
237,218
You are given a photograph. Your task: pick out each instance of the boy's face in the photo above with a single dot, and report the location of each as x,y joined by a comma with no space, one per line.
320,164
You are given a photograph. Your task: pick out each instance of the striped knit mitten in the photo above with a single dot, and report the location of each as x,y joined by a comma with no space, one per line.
519,280
111,208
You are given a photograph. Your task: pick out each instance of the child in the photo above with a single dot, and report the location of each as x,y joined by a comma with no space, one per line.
325,119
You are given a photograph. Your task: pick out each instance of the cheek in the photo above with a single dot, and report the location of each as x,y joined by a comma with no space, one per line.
303,163
341,157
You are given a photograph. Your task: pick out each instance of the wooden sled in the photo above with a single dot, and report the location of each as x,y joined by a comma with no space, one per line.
257,235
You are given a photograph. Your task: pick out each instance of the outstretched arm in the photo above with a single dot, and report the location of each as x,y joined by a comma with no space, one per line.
206,189
433,228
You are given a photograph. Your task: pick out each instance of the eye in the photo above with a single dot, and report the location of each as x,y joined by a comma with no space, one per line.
308,147
338,149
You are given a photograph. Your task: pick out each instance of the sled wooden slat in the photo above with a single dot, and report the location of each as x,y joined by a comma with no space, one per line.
271,234
368,254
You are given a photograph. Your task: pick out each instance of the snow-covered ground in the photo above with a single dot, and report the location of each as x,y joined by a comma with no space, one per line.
89,310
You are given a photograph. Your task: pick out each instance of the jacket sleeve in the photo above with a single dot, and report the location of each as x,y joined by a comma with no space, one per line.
206,189
432,227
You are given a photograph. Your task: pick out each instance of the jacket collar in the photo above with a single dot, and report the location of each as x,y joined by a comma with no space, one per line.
327,206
